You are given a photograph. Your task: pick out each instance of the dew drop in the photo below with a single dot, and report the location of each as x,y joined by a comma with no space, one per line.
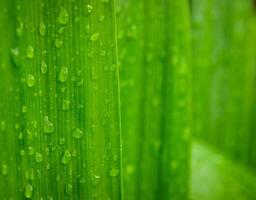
20,28
30,52
30,80
28,191
65,105
39,157
4,169
63,16
44,67
30,151
66,157
69,188
96,180
24,109
113,172
48,126
89,8
63,74
77,133
105,1
58,43
42,29
62,141
95,36
82,180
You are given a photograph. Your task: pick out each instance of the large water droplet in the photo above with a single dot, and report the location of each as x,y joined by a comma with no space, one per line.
113,172
58,43
69,188
65,105
95,36
48,126
44,67
20,28
30,52
63,74
28,190
77,133
89,8
30,80
63,16
4,169
42,29
66,157
39,157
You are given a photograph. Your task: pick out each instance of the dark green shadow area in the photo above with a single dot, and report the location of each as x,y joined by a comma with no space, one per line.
214,177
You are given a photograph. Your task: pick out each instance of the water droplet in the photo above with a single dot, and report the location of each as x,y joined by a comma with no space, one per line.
95,180
48,126
69,188
62,141
24,109
42,29
82,180
63,16
58,178
105,1
101,18
28,190
65,105
15,56
30,52
113,172
44,67
77,133
89,8
30,151
39,157
66,157
63,74
30,80
95,36
61,30
4,169
20,28
58,43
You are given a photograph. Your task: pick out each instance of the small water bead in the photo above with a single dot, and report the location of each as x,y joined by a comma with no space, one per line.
82,180
63,74
65,105
69,188
101,18
28,191
30,52
96,180
63,16
15,56
20,28
30,151
24,109
94,36
113,172
44,67
4,169
48,126
77,133
30,80
39,157
62,141
105,1
58,43
89,8
42,29
66,157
